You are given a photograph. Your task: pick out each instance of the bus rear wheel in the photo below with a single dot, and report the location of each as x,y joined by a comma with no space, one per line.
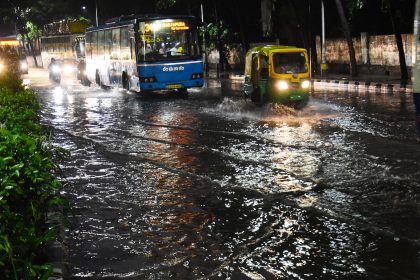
97,79
125,82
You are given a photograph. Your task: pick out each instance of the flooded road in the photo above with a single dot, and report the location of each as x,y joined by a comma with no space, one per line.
214,187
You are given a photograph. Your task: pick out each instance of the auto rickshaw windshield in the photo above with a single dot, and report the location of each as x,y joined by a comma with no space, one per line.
289,63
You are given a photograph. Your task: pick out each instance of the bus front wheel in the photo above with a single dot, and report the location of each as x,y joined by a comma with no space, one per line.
125,82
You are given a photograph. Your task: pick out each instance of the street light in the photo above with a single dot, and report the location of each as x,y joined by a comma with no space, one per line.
85,11
96,11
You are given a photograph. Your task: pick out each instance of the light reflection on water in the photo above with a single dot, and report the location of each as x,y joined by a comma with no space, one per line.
174,190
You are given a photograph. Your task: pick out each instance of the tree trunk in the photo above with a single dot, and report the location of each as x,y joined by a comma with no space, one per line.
222,56
398,39
32,49
347,34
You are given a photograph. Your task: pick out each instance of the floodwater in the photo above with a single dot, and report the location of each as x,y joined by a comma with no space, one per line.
214,187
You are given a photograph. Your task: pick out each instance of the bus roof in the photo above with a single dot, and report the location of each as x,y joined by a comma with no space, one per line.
127,19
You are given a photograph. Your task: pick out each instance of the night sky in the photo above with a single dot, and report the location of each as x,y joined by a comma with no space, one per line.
370,19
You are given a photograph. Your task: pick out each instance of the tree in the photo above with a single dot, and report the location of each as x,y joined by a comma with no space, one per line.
347,34
29,15
31,33
392,8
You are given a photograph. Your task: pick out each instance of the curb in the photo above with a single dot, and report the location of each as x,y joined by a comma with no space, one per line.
360,85
57,251
346,84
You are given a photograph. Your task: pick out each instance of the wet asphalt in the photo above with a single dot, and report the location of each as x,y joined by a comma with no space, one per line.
214,187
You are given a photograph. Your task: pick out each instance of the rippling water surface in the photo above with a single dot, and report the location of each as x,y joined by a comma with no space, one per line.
214,187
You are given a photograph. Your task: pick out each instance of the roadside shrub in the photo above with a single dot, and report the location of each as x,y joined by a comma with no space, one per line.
28,187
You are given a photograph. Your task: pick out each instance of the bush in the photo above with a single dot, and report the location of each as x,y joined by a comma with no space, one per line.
27,187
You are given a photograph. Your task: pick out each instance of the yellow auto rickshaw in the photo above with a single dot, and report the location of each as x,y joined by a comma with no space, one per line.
278,74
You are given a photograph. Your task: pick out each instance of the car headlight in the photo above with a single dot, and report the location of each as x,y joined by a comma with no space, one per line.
305,84
282,85
23,65
55,69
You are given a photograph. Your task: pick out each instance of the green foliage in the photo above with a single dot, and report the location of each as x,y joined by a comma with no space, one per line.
32,30
210,32
164,4
354,5
28,187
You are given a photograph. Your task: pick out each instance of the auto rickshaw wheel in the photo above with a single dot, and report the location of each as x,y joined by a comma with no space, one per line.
255,95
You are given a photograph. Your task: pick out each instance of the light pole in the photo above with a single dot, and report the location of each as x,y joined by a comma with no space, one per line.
204,40
416,68
96,11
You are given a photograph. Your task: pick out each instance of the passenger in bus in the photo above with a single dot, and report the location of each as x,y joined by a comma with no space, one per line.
162,49
144,49
177,49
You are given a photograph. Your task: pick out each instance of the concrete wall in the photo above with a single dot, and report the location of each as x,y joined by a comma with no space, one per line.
372,52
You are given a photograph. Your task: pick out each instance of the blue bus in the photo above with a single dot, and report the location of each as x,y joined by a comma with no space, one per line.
145,53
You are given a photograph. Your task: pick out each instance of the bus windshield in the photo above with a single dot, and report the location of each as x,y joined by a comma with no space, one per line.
162,40
289,63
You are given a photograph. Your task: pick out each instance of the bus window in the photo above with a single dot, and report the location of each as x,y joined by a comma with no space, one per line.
125,48
115,51
167,40
108,43
95,43
132,47
101,43
89,44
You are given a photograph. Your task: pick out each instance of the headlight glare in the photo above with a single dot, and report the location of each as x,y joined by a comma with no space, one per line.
55,69
305,84
282,85
68,69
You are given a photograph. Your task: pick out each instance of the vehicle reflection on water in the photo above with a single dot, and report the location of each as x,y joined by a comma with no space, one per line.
215,187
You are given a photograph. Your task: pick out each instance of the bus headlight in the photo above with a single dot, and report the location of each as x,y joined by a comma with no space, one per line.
305,84
148,79
282,85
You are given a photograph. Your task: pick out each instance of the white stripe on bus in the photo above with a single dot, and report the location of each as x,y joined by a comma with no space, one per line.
166,64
